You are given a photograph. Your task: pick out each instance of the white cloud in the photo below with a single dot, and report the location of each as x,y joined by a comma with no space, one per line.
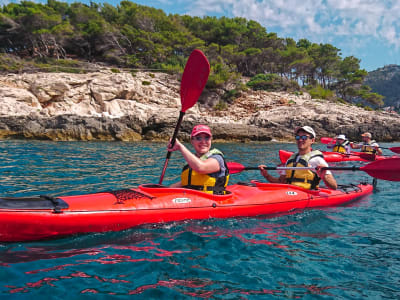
315,19
4,2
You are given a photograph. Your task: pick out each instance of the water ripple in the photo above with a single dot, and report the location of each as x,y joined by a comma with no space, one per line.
350,252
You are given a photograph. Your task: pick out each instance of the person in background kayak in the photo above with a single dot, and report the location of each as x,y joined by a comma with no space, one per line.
309,179
206,170
368,145
342,145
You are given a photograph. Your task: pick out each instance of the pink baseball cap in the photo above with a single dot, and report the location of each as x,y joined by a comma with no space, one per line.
200,129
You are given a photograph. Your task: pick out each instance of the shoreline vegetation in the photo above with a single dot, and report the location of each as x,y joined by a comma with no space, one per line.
134,36
102,72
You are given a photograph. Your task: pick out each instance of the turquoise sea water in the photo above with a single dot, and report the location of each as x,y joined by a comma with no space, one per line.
350,252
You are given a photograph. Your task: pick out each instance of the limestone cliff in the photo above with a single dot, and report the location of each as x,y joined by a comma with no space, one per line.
128,107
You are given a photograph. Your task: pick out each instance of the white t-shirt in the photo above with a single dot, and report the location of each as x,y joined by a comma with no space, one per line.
319,161
313,162
375,144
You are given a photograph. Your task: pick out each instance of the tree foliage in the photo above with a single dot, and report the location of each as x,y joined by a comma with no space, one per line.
137,36
272,82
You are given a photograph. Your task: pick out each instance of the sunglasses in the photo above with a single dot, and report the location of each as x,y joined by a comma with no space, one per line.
302,137
201,138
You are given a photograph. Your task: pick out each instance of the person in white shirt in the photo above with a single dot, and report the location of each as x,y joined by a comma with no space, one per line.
368,145
305,157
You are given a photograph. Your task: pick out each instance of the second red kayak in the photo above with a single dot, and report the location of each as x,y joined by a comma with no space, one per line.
338,157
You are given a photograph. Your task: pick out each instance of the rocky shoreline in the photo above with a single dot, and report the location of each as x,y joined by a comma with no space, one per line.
145,106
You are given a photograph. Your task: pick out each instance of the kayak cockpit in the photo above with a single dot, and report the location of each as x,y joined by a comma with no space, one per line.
42,202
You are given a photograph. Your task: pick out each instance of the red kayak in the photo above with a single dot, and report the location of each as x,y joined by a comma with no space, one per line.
338,157
44,217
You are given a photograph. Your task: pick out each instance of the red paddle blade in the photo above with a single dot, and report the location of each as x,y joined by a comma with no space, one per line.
395,149
194,79
284,155
386,169
235,167
327,140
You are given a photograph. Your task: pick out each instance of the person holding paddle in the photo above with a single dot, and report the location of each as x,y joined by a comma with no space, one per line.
309,179
341,145
206,170
368,145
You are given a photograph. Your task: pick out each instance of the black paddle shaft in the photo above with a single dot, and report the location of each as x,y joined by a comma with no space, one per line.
173,140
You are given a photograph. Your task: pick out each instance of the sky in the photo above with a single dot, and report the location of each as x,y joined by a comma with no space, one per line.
366,29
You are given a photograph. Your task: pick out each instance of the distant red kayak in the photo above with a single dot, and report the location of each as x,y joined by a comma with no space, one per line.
36,218
338,157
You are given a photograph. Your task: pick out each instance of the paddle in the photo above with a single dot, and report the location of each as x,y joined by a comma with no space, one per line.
386,169
194,79
393,149
328,140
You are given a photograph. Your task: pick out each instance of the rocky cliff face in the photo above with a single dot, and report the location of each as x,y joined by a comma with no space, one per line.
386,81
129,107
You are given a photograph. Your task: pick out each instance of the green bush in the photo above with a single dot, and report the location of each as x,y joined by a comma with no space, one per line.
318,92
366,107
220,74
221,105
9,63
264,82
242,87
115,70
231,95
146,82
168,68
340,100
49,64
272,82
12,63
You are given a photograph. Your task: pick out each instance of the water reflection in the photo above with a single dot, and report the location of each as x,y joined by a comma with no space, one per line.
193,258
331,253
71,168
